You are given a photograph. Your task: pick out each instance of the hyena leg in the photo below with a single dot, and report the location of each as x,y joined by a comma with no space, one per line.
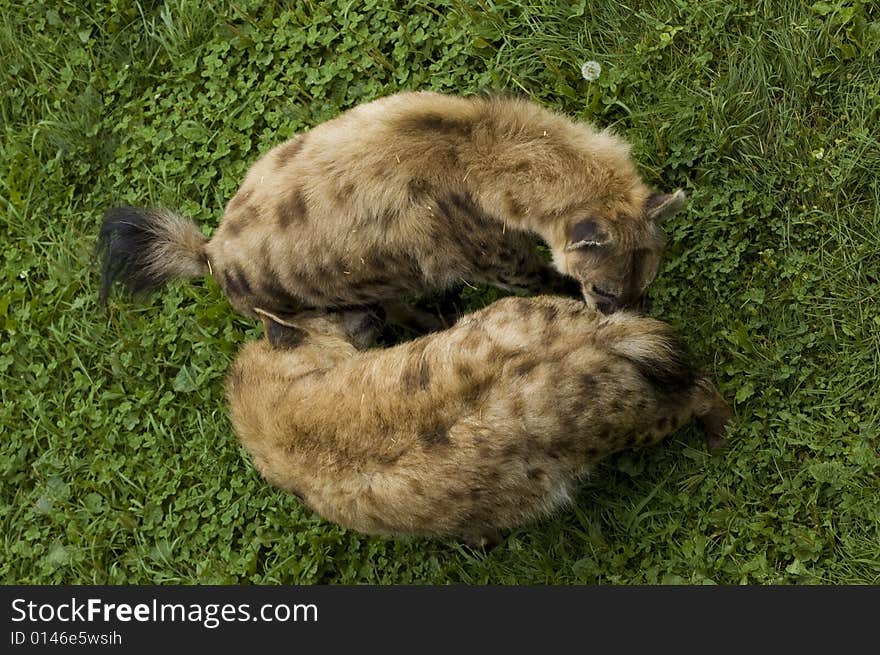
411,318
552,281
487,538
713,412
704,404
436,311
523,269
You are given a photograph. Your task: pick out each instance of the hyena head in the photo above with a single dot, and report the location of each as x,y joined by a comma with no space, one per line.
342,329
615,255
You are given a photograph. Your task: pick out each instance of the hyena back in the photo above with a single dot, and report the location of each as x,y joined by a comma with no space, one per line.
411,194
481,427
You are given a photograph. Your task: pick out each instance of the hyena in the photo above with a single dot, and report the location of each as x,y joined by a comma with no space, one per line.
481,427
408,195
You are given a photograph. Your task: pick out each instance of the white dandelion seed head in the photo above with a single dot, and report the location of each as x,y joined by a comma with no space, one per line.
591,70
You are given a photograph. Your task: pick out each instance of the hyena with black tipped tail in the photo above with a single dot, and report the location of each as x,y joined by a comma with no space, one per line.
484,426
407,195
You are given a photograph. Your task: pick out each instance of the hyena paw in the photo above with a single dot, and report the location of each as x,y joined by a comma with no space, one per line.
486,539
715,424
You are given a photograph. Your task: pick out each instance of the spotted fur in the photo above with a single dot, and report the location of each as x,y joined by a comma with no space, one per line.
484,426
410,194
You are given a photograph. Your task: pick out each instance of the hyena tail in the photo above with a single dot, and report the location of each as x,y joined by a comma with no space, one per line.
145,248
659,355
663,362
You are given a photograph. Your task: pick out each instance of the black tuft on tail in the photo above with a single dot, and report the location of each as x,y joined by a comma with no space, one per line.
145,248
661,358
671,374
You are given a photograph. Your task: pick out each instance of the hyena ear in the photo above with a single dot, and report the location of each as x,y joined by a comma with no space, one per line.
586,234
661,206
281,336
280,333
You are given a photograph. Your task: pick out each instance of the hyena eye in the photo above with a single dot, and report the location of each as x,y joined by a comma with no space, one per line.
586,234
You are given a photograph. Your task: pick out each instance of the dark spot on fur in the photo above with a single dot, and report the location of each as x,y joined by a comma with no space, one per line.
436,437
464,202
435,122
415,487
485,451
472,393
456,495
514,206
499,355
417,376
386,219
293,209
230,284
550,313
232,226
418,189
534,473
588,382
314,292
283,337
523,307
265,255
630,439
389,460
465,223
277,298
236,283
569,422
476,494
290,150
463,371
592,453
518,406
511,451
345,192
663,424
377,263
526,367
560,448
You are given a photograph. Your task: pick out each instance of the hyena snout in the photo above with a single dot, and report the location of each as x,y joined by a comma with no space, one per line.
609,301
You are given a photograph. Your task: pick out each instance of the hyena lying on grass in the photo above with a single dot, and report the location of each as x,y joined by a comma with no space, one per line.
408,195
484,426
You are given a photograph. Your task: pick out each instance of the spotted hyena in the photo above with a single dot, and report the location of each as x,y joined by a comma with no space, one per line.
407,195
481,427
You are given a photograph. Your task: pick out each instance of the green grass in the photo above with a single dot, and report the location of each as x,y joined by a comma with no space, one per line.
117,457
